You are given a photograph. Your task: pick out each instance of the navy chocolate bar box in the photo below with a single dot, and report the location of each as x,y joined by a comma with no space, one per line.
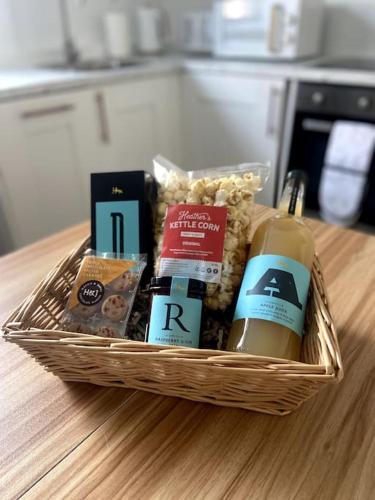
121,213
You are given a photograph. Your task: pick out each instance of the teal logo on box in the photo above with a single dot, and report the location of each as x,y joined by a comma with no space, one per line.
117,226
175,319
274,288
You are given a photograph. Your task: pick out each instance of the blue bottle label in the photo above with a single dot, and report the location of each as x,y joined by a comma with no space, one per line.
274,288
117,226
175,319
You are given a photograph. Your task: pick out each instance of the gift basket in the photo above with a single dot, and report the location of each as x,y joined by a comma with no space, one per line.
155,314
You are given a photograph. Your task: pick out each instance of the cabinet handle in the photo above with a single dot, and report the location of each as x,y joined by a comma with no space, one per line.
103,120
273,113
53,110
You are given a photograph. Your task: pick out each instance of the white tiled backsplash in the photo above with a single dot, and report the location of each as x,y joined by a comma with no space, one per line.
30,30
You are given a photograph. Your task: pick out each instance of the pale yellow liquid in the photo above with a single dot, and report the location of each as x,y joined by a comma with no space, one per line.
281,235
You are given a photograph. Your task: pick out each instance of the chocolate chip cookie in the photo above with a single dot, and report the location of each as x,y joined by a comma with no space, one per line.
115,307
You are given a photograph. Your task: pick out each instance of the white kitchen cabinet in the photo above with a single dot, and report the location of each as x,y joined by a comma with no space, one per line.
233,119
46,146
142,119
50,145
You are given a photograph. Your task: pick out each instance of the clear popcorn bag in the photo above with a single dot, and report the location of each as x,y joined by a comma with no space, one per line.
232,187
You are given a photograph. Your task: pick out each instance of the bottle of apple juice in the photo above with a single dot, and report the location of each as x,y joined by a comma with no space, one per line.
270,310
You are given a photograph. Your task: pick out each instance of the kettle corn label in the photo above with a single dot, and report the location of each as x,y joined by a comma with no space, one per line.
274,288
193,242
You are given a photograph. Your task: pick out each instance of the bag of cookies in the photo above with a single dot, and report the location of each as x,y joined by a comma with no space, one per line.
103,294
232,187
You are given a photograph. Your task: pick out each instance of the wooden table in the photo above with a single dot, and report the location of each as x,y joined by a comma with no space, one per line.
61,440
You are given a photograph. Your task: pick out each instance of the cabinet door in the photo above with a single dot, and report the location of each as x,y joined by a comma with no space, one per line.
45,145
143,120
7,243
231,120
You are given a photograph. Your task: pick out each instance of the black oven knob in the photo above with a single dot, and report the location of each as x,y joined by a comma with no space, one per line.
363,102
317,98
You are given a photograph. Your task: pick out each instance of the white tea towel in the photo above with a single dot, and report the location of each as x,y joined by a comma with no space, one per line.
344,176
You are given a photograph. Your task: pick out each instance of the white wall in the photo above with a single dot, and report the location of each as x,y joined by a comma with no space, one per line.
30,30
350,28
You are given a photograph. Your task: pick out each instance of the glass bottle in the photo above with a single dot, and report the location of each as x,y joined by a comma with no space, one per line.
270,310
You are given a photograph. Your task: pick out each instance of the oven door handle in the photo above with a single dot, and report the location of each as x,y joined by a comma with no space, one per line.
314,125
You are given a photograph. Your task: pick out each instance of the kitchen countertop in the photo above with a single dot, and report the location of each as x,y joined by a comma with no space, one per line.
71,440
302,71
27,82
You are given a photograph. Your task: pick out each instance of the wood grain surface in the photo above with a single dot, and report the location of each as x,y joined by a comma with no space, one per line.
79,441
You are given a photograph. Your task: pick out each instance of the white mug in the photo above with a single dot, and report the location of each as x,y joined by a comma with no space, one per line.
118,36
152,24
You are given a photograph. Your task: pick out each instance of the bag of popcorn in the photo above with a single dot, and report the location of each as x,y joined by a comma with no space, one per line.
232,187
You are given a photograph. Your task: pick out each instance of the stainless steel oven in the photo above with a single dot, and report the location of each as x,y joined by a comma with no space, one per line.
313,109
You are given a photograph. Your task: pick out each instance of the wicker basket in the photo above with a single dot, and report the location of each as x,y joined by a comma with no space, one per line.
238,380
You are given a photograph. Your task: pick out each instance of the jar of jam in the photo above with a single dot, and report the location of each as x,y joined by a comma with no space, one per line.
176,310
